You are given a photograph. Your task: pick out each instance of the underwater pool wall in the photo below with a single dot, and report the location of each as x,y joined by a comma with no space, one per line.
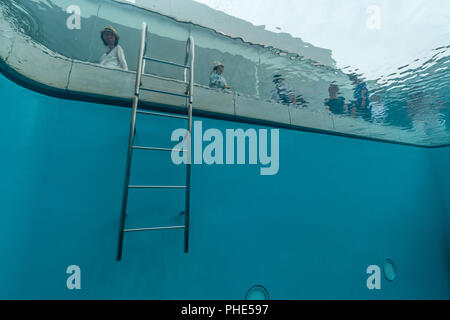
440,163
337,206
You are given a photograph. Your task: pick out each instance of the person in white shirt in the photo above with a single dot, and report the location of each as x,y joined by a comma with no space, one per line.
114,57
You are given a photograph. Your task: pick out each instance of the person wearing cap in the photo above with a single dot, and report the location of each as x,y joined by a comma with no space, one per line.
216,79
282,92
114,57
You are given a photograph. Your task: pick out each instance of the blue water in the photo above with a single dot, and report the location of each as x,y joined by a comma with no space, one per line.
337,206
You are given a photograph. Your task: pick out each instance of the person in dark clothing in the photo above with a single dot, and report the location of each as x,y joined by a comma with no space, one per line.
283,93
334,103
361,104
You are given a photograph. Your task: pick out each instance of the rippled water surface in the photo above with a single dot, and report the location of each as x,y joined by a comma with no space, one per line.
380,63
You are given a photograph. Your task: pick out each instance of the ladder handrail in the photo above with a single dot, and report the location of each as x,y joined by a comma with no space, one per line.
188,59
142,51
190,55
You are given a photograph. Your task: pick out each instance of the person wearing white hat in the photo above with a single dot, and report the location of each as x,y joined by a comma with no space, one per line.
114,57
216,79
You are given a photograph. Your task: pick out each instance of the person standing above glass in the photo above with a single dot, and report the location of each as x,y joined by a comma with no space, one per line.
334,103
361,105
282,92
216,79
114,57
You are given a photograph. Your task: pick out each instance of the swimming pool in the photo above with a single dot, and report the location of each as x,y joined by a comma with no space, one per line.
337,206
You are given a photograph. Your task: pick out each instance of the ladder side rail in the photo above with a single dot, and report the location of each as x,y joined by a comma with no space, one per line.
131,141
191,52
186,58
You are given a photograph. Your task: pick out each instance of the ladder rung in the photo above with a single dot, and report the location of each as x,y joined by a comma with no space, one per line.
167,62
162,115
153,229
158,149
156,187
166,92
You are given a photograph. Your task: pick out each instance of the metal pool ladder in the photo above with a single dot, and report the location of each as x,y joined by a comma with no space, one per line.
188,66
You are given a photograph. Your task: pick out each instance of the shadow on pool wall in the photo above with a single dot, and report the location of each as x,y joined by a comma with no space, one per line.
337,206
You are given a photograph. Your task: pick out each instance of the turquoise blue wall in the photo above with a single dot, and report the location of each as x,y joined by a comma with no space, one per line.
441,167
337,206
